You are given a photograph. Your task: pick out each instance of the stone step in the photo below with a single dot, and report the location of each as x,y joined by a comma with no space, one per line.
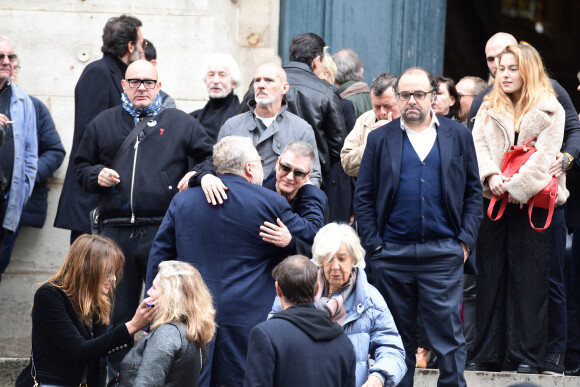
428,378
10,368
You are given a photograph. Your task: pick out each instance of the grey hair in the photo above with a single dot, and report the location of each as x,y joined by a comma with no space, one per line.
231,154
382,82
301,149
330,239
230,63
348,66
479,85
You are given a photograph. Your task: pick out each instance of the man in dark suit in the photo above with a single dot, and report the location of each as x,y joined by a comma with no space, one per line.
418,204
300,337
224,244
98,89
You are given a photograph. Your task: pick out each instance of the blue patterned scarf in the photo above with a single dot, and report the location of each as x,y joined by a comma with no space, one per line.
137,114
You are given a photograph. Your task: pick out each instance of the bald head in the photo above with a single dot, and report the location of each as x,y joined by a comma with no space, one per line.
141,84
494,47
270,85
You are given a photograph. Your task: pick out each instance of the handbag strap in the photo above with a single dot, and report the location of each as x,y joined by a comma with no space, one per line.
501,207
550,212
131,136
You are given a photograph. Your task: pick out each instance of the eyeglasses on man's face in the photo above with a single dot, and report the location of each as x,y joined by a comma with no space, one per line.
285,169
11,57
418,95
148,83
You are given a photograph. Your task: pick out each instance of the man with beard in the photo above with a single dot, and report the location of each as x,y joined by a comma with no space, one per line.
268,123
222,79
418,205
98,89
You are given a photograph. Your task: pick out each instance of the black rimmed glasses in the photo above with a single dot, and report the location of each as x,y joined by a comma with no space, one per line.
285,169
11,57
418,95
136,83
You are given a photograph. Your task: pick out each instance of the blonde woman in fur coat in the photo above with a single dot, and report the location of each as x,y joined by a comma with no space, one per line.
513,260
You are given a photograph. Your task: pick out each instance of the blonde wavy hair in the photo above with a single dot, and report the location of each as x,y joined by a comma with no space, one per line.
88,263
535,84
185,298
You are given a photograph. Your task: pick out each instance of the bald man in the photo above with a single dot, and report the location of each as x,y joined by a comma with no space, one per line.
268,123
557,327
136,182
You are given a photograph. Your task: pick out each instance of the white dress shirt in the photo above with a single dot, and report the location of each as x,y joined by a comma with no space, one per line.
423,141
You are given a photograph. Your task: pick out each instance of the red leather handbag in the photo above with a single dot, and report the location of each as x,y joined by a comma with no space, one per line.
546,198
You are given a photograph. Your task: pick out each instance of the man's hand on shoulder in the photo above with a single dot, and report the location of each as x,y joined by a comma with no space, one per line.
214,189
277,235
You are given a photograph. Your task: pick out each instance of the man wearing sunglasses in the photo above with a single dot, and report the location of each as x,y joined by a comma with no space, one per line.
136,186
19,153
291,180
98,89
418,205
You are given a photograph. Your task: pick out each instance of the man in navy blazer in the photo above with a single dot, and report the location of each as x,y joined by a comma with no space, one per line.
418,205
224,244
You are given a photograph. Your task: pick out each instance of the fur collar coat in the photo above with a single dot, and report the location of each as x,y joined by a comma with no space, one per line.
494,134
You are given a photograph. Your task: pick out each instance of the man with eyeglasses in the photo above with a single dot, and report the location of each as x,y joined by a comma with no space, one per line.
291,180
136,182
468,88
224,245
418,205
19,153
98,89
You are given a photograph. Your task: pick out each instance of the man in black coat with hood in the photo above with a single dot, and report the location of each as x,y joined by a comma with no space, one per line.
300,345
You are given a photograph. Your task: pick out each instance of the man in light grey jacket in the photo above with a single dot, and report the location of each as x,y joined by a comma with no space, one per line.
268,123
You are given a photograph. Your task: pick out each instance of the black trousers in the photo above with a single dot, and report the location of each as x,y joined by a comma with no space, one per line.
557,316
430,276
513,262
135,241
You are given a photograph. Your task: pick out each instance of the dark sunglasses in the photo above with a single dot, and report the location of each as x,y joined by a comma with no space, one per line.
286,169
11,57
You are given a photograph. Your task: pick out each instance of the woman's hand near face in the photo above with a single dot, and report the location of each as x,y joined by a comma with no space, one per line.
142,318
496,184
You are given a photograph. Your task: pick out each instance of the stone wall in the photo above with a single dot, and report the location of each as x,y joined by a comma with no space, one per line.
56,39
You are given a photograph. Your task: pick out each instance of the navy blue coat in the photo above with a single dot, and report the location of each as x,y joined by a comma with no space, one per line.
222,242
50,156
98,89
303,349
378,181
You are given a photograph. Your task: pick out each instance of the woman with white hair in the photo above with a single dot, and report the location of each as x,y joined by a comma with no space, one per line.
343,291
175,351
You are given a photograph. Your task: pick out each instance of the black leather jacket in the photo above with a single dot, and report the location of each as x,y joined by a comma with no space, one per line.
318,103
